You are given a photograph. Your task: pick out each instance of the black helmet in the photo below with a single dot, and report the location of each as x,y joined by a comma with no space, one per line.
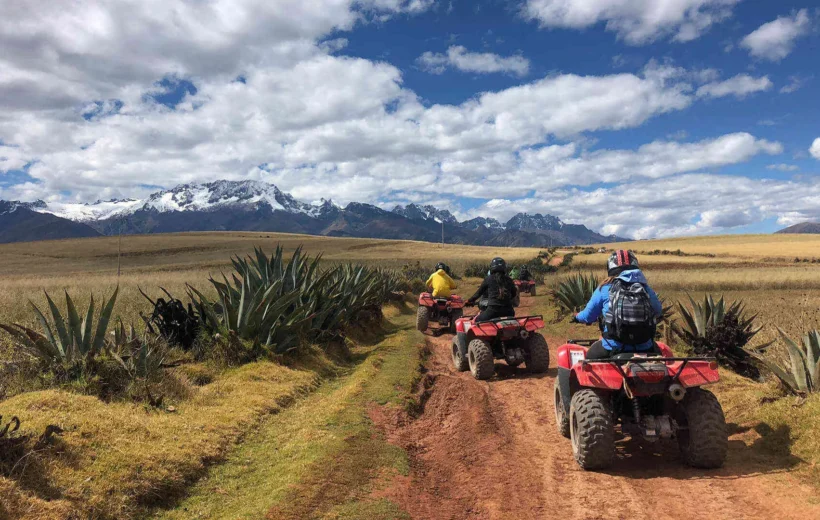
441,265
498,265
620,261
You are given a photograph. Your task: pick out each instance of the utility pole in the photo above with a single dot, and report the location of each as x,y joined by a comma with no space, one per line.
119,251
442,231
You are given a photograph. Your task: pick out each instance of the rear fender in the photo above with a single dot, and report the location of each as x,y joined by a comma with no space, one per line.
598,375
455,302
568,353
426,300
695,373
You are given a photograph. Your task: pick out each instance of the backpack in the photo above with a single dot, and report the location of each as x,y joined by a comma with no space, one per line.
630,318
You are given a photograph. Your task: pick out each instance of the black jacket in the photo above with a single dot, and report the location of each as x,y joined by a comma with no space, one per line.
489,288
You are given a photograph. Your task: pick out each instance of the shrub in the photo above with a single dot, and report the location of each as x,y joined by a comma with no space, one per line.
172,321
574,292
803,373
713,329
476,270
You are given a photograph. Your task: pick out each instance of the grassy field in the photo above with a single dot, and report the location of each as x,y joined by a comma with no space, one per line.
124,459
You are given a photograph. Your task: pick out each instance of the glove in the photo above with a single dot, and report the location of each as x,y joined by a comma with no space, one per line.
469,303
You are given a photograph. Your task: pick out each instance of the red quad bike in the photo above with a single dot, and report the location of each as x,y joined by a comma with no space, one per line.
445,311
656,397
525,286
477,345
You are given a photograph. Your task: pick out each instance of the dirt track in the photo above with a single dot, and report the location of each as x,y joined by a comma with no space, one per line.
491,450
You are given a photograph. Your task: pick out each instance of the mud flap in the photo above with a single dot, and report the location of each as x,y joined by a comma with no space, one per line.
461,338
563,385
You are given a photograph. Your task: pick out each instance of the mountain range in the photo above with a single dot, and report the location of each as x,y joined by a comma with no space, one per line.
259,206
805,227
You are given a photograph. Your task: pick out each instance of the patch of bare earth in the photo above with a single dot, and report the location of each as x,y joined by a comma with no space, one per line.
491,450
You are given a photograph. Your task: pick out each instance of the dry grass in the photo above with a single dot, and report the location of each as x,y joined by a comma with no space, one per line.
116,459
747,246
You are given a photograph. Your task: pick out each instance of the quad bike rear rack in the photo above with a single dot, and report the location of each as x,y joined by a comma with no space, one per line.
618,363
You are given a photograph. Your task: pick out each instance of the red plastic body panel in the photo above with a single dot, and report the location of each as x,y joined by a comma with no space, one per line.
525,284
607,375
453,302
490,329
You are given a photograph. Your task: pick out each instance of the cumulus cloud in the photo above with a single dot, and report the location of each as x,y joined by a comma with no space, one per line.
739,86
815,149
690,204
458,57
637,22
271,98
775,40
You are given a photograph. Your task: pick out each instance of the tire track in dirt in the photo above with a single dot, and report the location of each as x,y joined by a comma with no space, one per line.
491,450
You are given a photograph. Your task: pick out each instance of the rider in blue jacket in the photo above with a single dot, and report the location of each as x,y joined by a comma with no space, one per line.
621,265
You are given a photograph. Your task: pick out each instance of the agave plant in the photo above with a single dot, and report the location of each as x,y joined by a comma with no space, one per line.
140,357
574,292
714,329
803,373
65,340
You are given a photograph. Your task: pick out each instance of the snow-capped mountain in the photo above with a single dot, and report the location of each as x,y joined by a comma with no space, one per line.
416,212
192,197
537,222
483,223
259,206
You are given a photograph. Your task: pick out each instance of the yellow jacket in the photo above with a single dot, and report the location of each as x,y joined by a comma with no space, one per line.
441,284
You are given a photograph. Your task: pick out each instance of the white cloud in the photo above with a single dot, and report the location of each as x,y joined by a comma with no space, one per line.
653,160
775,40
458,57
795,83
783,167
637,22
739,86
691,204
815,149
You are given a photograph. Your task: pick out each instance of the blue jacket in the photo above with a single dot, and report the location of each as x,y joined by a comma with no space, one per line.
599,304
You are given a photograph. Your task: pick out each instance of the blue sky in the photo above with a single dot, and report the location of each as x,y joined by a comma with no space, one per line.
637,117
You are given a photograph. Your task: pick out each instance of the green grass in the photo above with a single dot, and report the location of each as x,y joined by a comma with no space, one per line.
322,457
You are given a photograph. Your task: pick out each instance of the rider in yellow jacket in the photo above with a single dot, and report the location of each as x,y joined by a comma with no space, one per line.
440,283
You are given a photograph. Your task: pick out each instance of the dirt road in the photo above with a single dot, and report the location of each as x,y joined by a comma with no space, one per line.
491,450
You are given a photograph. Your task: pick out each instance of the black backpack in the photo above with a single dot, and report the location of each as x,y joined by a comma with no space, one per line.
630,318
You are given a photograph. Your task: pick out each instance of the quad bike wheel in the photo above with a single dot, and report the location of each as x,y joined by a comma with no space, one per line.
460,363
591,429
561,415
480,359
455,315
537,354
532,290
422,319
705,443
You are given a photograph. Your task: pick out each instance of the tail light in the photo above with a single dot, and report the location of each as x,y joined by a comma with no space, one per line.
713,365
649,372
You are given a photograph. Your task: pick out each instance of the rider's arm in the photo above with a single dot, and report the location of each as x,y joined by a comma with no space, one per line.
430,281
481,290
450,281
654,301
593,309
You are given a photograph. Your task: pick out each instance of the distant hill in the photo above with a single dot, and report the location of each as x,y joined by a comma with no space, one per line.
19,222
805,227
259,206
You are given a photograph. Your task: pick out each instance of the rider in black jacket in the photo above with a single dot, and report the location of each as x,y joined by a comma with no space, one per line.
499,290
